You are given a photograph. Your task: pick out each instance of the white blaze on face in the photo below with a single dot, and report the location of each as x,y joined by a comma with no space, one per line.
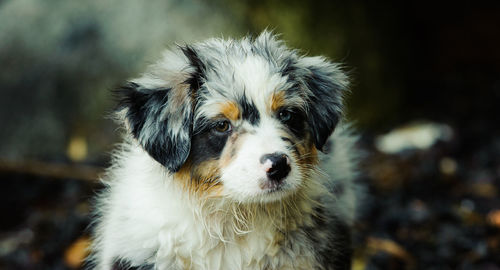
244,178
257,79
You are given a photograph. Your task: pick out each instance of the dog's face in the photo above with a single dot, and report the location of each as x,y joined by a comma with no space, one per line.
236,119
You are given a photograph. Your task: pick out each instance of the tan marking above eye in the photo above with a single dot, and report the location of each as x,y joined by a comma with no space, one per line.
230,110
277,100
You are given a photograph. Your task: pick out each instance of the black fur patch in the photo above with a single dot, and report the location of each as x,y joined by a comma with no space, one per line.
335,252
289,68
207,144
325,104
150,126
296,124
325,101
291,146
125,265
196,78
249,111
328,147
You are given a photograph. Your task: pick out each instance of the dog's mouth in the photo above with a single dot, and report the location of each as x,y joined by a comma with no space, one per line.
270,186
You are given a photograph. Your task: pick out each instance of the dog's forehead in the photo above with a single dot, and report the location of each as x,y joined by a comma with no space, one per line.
244,80
249,74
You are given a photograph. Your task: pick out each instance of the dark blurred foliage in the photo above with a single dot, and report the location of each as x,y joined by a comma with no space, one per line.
435,208
42,217
409,59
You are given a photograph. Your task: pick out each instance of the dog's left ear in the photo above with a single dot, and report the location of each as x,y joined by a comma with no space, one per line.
162,132
325,83
157,109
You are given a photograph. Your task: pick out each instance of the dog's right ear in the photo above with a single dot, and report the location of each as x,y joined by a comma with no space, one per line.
158,108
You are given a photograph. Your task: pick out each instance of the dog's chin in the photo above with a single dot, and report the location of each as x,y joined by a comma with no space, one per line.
273,195
268,192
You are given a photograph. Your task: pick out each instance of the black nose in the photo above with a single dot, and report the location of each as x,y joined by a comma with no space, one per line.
280,165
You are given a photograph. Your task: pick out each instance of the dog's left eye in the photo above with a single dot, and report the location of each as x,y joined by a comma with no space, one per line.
285,115
222,126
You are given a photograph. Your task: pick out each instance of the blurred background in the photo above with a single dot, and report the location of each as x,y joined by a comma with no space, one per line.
425,97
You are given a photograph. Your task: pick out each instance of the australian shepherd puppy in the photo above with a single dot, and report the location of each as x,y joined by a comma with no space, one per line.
235,157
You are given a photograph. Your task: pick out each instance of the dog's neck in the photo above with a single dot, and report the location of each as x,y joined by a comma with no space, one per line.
228,220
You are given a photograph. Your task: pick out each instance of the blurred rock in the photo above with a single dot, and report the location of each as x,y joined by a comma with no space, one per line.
494,218
417,135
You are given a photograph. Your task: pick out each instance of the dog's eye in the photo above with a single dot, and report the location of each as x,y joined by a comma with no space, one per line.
222,126
285,115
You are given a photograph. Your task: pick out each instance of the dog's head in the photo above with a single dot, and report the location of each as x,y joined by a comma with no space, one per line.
238,119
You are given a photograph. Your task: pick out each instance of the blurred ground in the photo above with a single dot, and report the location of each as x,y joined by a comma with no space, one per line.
436,208
429,206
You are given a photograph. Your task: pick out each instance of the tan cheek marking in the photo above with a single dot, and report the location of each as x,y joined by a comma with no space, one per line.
277,100
183,176
207,176
206,171
230,110
313,155
308,156
202,179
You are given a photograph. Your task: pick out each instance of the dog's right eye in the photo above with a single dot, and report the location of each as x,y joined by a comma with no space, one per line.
222,126
285,115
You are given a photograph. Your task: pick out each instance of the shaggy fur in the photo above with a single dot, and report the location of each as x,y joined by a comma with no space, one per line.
229,162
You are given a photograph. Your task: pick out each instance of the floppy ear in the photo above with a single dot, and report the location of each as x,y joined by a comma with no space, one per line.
325,83
158,108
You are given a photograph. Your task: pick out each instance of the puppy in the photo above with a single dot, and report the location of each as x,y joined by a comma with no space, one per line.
229,162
